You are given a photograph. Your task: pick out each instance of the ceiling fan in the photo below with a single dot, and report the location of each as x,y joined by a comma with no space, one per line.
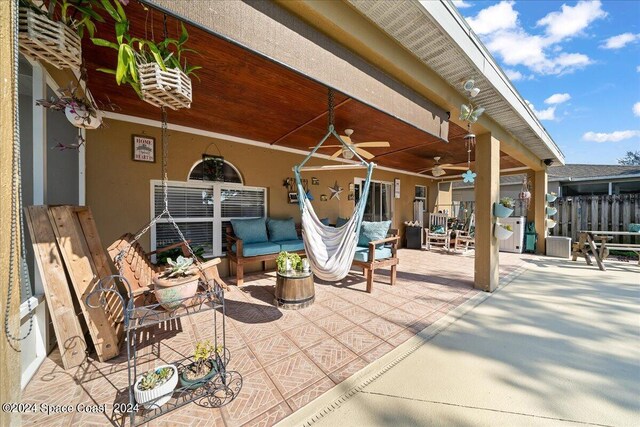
357,146
439,170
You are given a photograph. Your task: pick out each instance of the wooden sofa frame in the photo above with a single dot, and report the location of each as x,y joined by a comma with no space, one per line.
240,260
369,266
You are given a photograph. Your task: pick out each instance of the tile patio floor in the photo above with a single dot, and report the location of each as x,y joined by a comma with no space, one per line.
287,358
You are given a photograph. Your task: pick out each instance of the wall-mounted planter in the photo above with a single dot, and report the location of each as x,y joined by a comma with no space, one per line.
81,118
551,211
551,198
501,233
501,211
550,223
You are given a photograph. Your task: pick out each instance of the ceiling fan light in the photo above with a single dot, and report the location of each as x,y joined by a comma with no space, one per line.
438,171
347,154
474,92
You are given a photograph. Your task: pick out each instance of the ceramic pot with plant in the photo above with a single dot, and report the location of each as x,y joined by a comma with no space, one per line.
81,112
502,231
203,367
503,209
155,387
177,284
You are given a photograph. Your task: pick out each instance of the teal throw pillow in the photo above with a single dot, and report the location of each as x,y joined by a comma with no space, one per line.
341,221
634,228
250,230
281,229
324,221
370,231
437,229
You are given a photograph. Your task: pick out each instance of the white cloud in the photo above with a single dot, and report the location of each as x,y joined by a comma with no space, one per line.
546,114
638,68
615,136
514,75
636,109
497,17
462,4
620,41
557,98
502,32
571,21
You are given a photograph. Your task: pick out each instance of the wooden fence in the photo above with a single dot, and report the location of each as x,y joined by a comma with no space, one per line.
604,213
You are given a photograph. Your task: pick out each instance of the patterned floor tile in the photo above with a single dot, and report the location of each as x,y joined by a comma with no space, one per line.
306,334
381,327
359,340
258,394
271,416
334,324
400,317
315,390
346,371
358,314
337,304
290,319
255,332
316,311
375,306
243,361
329,355
417,308
401,337
377,352
294,374
273,348
394,300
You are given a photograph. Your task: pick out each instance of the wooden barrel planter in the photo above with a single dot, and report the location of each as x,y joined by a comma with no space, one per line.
295,290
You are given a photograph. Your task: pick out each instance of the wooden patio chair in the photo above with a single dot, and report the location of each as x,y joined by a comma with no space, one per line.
139,271
465,238
437,239
379,257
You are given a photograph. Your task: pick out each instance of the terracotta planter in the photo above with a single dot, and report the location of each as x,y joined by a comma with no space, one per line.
158,396
197,383
176,292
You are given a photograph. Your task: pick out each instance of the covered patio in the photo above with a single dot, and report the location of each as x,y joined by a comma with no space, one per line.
287,358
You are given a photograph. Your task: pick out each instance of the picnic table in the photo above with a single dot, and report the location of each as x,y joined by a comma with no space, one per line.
596,243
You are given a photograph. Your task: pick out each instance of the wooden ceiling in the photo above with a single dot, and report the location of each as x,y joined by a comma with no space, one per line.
243,94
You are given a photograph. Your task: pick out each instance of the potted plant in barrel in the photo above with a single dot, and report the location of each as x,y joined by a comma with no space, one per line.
203,367
288,262
503,209
177,283
154,388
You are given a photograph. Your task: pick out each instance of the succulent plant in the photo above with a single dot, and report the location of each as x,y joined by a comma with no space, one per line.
181,267
507,202
154,378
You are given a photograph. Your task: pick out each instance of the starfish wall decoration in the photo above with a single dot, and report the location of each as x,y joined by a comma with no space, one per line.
335,191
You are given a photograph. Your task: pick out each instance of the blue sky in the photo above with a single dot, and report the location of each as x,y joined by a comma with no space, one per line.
576,62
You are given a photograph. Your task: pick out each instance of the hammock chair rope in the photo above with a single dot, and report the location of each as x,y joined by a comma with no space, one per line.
330,250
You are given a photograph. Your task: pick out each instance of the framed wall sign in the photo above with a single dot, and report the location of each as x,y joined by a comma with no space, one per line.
396,187
143,148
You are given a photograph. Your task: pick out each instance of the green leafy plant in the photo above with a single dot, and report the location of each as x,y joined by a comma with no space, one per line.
79,15
281,261
507,227
198,251
202,355
507,202
155,378
181,267
134,51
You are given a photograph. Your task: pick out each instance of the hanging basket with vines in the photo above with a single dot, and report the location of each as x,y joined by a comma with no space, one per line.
164,88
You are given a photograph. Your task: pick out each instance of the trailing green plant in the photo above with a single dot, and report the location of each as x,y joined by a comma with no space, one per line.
281,261
135,51
79,15
181,267
155,378
198,251
507,202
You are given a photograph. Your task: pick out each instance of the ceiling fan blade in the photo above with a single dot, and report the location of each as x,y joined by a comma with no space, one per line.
373,144
457,168
364,153
346,139
327,146
336,154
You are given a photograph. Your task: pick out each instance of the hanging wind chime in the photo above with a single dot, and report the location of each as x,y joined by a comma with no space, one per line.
470,114
469,143
525,194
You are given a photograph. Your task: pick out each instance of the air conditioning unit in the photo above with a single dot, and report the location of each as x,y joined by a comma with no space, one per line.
559,246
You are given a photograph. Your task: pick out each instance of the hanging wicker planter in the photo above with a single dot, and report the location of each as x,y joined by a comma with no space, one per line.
53,42
171,88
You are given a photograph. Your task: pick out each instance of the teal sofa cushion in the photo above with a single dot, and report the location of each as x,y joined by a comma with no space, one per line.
634,228
281,229
290,245
324,221
250,230
370,231
437,229
362,253
260,248
341,221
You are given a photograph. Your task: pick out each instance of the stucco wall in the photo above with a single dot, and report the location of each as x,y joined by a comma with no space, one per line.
118,187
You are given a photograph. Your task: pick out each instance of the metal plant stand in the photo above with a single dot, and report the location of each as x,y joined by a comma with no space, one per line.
215,392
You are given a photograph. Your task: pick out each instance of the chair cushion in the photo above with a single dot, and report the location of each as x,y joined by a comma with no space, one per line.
290,245
634,228
342,221
324,221
370,231
281,229
250,230
260,248
437,229
362,253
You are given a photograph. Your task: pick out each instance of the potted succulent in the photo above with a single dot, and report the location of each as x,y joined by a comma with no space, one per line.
503,209
158,72
502,232
52,31
177,283
81,112
155,387
551,197
203,367
288,262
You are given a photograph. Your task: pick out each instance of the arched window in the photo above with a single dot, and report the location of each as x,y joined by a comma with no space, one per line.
204,172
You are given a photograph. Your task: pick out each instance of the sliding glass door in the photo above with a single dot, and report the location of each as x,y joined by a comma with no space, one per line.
379,204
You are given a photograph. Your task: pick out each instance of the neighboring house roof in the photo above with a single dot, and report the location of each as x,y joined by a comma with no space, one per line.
575,172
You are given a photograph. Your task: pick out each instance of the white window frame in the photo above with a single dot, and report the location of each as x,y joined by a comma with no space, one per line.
226,162
217,218
424,199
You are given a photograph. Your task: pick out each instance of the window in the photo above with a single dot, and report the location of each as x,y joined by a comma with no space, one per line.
421,195
202,212
203,172
379,205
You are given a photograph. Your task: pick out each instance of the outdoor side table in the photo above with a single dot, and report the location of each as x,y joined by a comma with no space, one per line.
414,237
294,290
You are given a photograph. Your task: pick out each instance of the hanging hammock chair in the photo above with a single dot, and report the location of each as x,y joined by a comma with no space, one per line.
330,250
